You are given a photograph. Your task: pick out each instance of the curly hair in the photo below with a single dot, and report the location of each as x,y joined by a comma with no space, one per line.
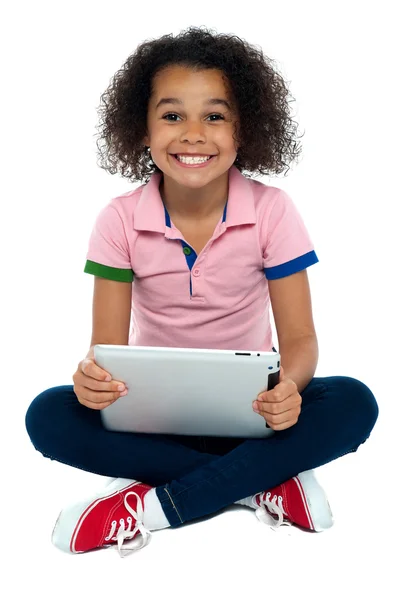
267,133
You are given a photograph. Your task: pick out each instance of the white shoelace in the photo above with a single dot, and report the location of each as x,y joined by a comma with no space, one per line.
126,532
275,505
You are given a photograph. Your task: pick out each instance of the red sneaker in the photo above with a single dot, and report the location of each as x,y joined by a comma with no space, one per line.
300,500
106,518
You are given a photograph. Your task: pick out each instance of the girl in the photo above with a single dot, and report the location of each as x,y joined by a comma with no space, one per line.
195,255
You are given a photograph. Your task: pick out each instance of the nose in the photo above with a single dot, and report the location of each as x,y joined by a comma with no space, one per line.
194,132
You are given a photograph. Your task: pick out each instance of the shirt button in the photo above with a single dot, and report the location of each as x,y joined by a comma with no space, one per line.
186,250
196,272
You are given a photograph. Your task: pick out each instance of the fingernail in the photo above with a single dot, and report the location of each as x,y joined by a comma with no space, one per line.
121,387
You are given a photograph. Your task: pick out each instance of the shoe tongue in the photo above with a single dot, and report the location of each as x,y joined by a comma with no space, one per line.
120,511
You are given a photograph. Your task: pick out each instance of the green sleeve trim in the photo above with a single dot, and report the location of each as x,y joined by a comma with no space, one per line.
94,268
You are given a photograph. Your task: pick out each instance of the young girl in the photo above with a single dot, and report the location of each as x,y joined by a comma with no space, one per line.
196,255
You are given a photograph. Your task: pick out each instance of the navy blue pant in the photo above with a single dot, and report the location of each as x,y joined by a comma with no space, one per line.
196,476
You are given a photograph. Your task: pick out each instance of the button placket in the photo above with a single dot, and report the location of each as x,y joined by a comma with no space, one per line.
197,273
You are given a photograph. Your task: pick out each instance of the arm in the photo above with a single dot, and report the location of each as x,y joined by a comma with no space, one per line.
292,310
112,305
299,359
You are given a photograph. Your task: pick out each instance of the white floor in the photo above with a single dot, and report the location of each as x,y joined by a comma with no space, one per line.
231,553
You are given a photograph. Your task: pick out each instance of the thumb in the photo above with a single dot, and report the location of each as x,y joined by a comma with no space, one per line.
281,373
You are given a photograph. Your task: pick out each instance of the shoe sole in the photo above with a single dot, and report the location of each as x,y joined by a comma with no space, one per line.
66,529
315,501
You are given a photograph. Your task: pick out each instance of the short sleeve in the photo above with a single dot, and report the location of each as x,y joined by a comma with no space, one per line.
108,254
289,248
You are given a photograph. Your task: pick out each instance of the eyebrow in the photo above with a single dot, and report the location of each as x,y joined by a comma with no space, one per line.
211,101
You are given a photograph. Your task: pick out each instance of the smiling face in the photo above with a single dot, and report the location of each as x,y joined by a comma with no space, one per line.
192,123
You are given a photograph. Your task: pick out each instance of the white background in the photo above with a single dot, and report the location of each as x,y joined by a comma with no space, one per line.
340,60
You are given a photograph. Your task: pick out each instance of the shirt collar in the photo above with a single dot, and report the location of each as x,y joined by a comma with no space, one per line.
150,214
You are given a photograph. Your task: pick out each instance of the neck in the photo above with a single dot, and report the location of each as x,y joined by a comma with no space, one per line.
199,204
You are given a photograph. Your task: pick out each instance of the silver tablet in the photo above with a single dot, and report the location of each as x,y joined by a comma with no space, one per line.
188,391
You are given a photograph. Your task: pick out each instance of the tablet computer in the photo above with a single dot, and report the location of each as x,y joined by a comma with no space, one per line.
188,391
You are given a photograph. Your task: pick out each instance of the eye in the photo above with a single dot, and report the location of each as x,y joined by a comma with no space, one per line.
170,114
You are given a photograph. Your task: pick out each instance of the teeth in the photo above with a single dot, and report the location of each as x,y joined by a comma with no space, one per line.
192,160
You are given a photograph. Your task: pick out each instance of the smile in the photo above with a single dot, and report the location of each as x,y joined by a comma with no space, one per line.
199,165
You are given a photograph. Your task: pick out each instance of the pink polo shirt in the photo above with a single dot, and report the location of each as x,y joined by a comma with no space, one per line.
218,299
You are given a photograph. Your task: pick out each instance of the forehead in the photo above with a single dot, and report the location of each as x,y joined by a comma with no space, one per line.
188,84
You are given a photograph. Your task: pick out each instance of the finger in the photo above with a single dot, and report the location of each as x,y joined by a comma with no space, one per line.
90,372
91,369
100,397
101,386
278,420
284,425
275,396
279,426
280,392
98,405
277,412
276,408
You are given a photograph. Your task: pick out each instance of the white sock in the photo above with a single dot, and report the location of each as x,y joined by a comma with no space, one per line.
247,502
154,516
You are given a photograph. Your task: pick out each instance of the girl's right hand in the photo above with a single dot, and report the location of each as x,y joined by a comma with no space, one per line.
91,388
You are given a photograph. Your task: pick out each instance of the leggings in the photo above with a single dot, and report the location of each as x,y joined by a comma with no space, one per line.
196,476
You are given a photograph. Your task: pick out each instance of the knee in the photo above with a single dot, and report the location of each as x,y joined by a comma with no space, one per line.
361,400
41,413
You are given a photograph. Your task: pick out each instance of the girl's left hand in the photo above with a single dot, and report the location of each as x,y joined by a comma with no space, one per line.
281,406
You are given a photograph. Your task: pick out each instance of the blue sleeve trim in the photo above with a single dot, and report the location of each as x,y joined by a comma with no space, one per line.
292,266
